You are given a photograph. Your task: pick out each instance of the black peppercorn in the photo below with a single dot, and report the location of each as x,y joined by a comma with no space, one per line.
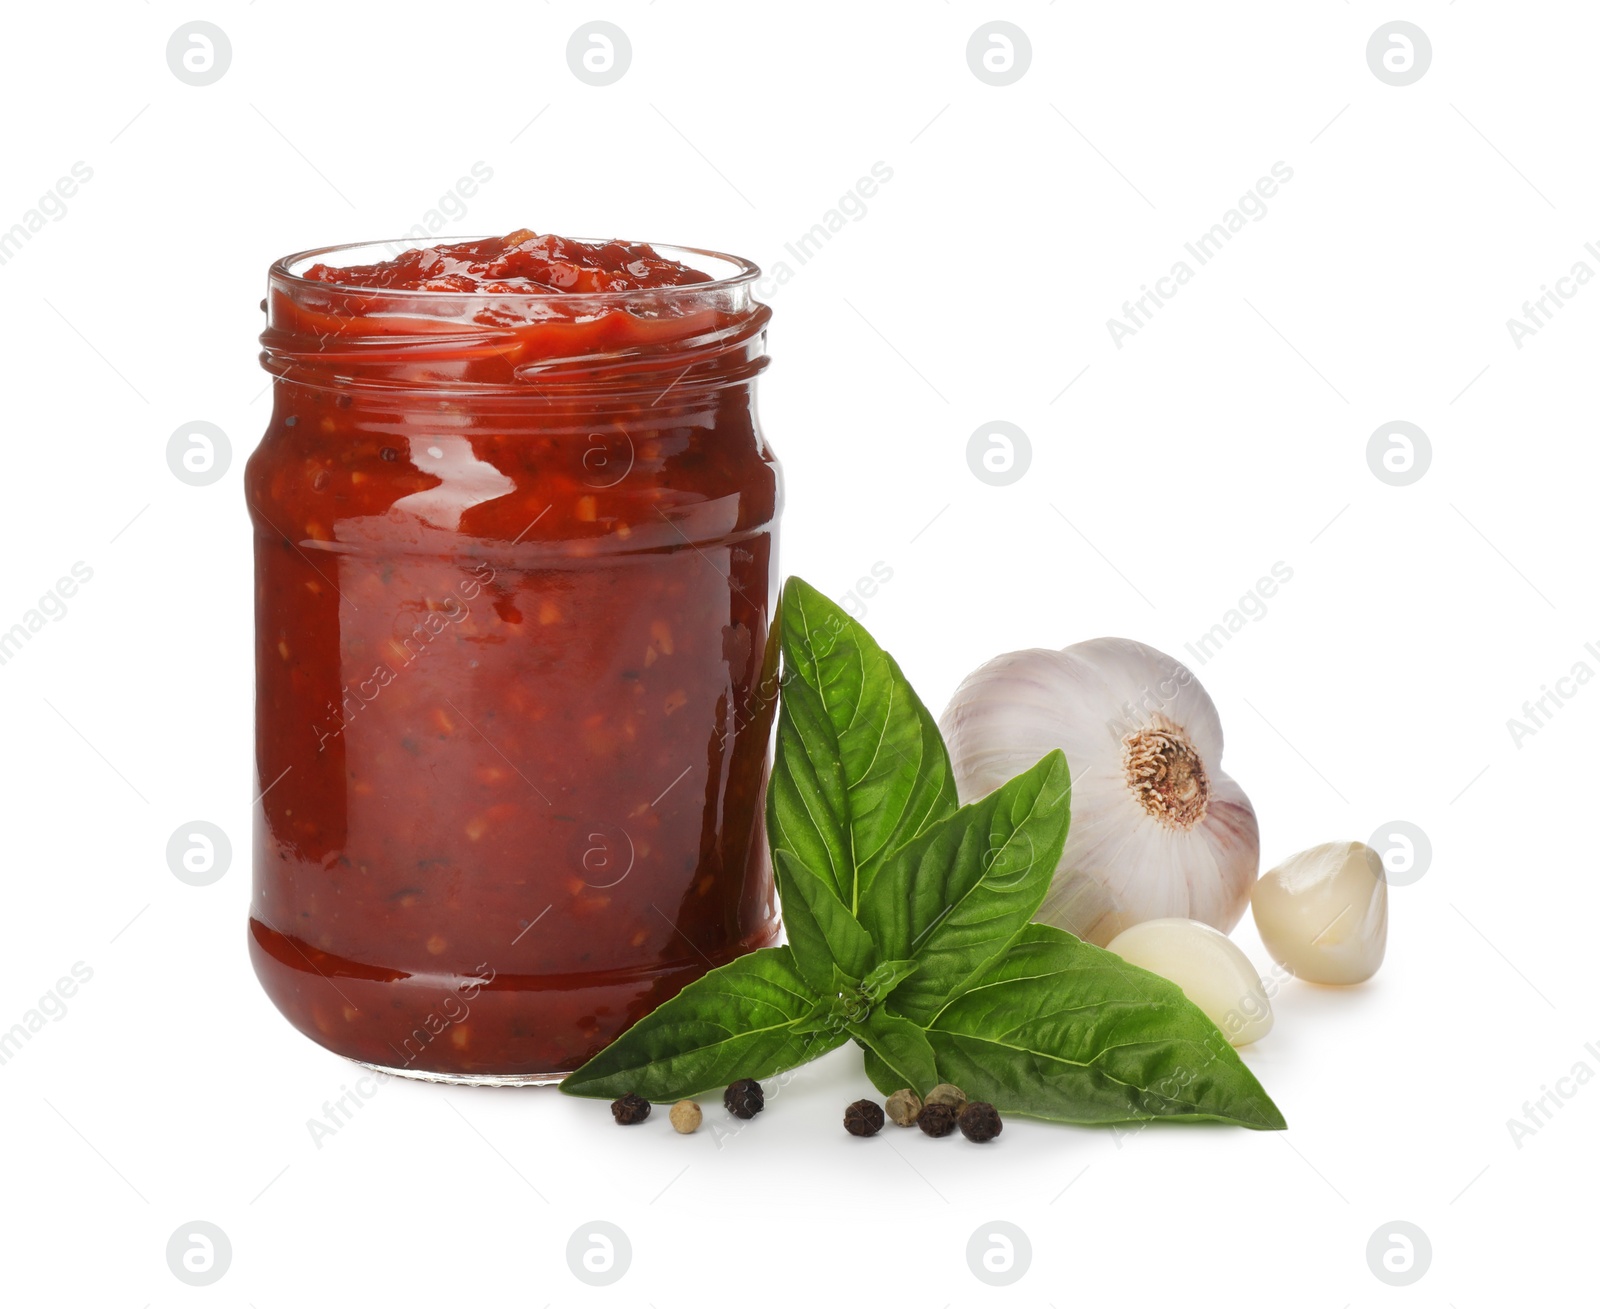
937,1119
863,1118
744,1098
980,1121
630,1109
388,454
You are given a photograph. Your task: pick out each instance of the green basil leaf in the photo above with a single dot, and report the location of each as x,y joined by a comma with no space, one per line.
752,1017
883,979
883,1077
901,1048
1058,1028
954,897
861,768
822,933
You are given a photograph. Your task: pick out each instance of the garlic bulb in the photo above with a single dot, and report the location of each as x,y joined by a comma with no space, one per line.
1158,829
1207,967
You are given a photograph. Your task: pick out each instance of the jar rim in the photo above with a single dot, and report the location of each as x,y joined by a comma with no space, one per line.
685,338
728,272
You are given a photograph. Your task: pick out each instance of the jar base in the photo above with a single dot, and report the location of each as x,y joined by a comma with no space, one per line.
463,1028
465,1079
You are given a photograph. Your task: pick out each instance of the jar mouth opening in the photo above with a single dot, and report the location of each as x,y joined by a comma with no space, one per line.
686,339
727,272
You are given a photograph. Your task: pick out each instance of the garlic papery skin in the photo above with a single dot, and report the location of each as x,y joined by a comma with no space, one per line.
1158,829
1324,913
1207,967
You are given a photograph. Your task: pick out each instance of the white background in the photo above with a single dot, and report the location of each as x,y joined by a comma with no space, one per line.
1167,476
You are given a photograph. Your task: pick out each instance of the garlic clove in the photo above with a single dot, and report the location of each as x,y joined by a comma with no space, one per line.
1207,967
1324,913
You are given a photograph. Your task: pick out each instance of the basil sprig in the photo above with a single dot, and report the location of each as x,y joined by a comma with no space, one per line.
909,930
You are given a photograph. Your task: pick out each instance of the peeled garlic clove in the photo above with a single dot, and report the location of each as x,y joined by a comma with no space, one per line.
1324,913
1207,967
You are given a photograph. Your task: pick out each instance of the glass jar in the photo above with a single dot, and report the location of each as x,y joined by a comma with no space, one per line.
515,557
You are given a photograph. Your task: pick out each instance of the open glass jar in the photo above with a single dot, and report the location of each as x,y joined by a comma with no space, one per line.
514,563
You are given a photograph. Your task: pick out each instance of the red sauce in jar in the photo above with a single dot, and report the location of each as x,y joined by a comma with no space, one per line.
519,264
515,557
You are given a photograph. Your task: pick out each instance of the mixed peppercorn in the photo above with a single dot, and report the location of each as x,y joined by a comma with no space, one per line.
630,1109
980,1121
863,1118
745,1098
945,1110
685,1116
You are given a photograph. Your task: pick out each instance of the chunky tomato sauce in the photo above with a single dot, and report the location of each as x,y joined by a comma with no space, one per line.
519,264
515,554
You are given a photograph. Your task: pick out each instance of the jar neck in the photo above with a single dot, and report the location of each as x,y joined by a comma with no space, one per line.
432,412
642,348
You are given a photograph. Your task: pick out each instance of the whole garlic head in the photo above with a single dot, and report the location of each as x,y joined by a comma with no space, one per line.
1158,829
